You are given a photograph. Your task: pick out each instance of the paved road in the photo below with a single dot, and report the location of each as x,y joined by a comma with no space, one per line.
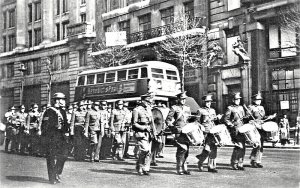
281,170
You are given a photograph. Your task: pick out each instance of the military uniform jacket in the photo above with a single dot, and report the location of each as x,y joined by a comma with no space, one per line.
92,120
128,116
11,119
118,120
180,114
104,118
21,119
257,111
207,116
77,120
33,120
141,116
234,116
54,120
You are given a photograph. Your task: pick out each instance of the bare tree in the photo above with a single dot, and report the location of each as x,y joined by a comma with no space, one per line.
185,43
111,56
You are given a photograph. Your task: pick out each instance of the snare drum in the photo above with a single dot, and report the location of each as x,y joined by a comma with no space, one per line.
272,131
194,133
221,135
251,134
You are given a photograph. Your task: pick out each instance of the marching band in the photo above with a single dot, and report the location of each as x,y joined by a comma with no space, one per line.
95,131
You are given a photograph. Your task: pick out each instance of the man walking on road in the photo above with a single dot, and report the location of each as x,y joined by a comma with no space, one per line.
55,131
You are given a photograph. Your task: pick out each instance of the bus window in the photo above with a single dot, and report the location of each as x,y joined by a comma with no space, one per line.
144,73
133,74
81,80
110,77
157,73
122,75
100,78
90,79
171,75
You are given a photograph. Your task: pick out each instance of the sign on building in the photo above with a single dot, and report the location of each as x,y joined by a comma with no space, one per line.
116,38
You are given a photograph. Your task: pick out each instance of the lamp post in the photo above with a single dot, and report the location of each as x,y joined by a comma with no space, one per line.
22,69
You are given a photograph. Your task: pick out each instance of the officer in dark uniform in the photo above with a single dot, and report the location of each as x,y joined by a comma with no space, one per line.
77,130
55,131
141,124
234,120
207,117
21,141
11,129
180,114
105,140
93,126
32,127
117,124
258,113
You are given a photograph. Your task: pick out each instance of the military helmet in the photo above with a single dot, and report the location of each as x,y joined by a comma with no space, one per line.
120,102
22,106
96,103
236,95
147,96
257,96
182,95
81,103
207,98
12,108
59,96
34,106
103,103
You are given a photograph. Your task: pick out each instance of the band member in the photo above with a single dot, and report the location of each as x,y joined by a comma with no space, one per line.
141,124
105,141
22,139
55,131
117,124
32,126
77,130
258,113
234,119
93,126
207,117
180,113
11,130
128,127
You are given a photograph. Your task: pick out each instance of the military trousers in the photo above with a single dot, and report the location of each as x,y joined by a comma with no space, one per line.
118,147
80,143
155,148
257,153
144,145
182,153
209,151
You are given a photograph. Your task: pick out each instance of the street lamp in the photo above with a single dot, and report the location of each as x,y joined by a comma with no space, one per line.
22,69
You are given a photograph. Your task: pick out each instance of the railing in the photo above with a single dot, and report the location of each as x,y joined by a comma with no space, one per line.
80,28
164,30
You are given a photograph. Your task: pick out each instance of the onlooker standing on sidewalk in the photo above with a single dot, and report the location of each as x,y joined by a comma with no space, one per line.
284,126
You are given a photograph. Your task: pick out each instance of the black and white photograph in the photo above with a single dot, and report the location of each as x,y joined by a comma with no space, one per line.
150,93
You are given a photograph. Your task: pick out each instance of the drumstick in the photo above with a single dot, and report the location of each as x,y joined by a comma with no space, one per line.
248,111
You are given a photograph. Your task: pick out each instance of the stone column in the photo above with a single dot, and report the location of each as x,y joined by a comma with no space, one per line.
48,21
21,24
246,82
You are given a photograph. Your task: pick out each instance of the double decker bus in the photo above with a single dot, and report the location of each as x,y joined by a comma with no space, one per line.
129,82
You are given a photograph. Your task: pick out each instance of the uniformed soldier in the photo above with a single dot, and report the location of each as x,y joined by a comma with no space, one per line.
55,131
177,118
105,140
141,124
32,126
11,130
207,117
77,130
94,128
258,113
234,119
128,129
117,124
22,138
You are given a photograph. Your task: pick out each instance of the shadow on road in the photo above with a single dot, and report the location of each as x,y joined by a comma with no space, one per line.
122,171
28,178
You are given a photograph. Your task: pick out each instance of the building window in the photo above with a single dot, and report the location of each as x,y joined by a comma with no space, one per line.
30,38
36,66
83,17
28,66
233,4
64,29
37,13
2,71
37,36
286,79
4,44
57,7
64,59
10,70
83,2
107,28
282,41
145,22
167,16
58,31
65,6
82,58
29,13
231,38
11,18
189,9
56,65
125,26
11,42
4,20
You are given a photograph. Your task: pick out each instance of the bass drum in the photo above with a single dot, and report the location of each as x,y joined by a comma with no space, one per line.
251,134
158,120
